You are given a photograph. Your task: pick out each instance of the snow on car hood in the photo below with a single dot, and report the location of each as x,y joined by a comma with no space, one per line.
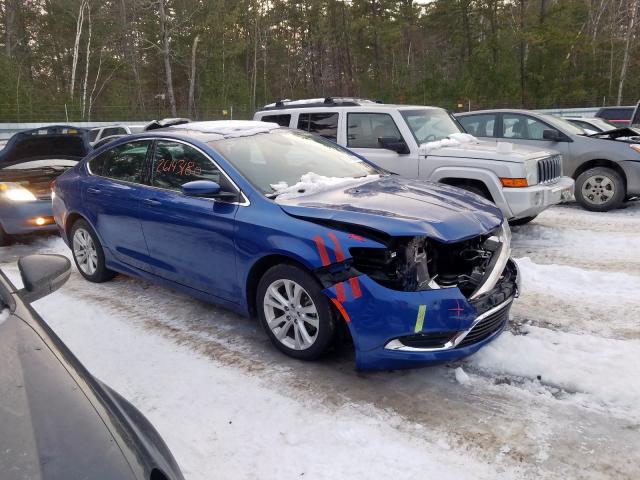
463,145
400,207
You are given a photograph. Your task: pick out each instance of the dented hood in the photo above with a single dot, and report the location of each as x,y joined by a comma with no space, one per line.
401,207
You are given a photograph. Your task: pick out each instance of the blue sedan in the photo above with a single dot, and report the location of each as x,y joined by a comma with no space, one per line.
298,231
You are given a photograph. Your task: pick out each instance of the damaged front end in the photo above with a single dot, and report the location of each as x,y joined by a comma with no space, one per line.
413,299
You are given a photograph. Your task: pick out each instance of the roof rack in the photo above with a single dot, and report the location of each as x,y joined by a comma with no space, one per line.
318,102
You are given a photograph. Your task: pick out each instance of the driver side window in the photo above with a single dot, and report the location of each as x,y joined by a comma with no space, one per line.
364,129
523,127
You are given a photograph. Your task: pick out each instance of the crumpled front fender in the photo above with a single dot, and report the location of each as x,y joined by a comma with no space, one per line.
376,314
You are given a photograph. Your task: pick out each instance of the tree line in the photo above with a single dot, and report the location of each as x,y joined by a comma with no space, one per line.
140,59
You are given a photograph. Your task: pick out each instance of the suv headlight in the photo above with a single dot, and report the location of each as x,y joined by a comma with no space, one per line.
16,192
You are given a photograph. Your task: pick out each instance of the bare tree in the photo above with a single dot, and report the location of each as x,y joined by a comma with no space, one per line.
166,55
86,66
633,11
192,76
76,46
10,27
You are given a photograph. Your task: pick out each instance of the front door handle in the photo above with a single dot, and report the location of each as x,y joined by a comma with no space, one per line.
93,190
152,201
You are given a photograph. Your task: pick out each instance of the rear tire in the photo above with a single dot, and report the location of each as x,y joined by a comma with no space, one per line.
600,189
295,313
88,253
521,221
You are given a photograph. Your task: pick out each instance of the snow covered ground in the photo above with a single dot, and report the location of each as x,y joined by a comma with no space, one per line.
556,396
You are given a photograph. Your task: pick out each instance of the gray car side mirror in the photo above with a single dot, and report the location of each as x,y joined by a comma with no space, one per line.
42,275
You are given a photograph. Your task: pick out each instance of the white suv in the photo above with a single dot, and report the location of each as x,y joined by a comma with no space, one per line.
428,143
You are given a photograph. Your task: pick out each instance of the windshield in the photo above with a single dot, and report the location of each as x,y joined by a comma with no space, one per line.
565,125
430,125
283,156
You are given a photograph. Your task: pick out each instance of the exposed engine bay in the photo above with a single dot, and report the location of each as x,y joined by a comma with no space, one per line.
35,178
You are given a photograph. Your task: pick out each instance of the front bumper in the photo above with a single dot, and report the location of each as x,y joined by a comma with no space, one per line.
530,201
393,329
19,218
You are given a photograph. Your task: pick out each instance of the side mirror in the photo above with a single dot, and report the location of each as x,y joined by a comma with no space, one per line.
200,188
207,189
553,135
42,275
392,143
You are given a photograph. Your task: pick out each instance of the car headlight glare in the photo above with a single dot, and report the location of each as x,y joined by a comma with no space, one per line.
16,192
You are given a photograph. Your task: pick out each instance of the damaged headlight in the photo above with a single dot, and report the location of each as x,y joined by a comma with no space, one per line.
418,263
16,192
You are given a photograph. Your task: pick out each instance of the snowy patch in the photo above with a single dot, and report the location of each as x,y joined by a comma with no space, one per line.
599,372
4,314
453,140
311,183
461,376
230,128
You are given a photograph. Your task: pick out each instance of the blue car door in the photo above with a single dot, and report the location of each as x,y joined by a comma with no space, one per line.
190,239
111,194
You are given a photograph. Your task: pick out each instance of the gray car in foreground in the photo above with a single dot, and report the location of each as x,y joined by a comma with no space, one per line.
605,166
57,421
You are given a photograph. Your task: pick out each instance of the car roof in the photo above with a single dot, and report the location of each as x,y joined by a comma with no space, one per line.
500,110
217,129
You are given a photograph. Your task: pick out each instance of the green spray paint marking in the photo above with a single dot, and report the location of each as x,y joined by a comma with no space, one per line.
420,320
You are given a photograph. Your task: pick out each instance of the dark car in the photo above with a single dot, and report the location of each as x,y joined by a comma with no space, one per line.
30,161
56,420
619,116
297,230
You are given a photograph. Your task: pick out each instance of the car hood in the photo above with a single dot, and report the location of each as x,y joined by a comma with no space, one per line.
60,142
49,427
487,150
401,207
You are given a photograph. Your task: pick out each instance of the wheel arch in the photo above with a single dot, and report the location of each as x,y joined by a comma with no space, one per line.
600,162
259,268
471,182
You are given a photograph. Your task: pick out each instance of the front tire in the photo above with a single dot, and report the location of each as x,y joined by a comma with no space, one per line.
88,253
600,189
295,314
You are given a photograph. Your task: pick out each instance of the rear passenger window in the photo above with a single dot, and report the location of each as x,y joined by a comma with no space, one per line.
479,125
107,132
124,162
324,124
282,120
175,164
364,129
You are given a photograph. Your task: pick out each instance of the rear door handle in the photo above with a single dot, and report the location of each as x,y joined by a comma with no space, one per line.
93,190
152,201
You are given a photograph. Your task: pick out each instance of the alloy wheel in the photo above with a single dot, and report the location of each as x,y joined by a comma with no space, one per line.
291,314
84,251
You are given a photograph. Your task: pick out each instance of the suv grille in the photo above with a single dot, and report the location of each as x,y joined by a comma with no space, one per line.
550,169
487,327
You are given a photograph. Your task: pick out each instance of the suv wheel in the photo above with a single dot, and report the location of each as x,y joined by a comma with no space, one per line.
600,189
294,313
88,253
